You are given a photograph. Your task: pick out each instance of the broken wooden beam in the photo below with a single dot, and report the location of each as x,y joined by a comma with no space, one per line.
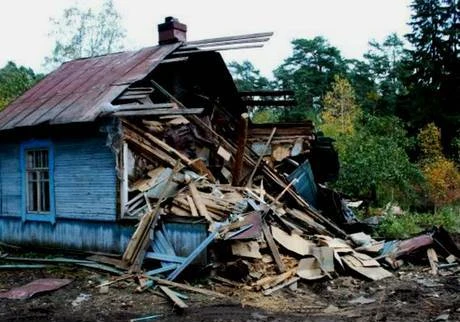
193,255
159,112
199,202
241,145
173,297
273,247
188,287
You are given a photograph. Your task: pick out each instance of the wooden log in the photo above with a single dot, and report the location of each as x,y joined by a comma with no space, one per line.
239,156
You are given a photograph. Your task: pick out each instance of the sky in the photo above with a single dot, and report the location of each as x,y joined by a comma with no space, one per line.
346,24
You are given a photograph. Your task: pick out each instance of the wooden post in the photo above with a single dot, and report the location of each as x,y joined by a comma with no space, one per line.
124,179
239,157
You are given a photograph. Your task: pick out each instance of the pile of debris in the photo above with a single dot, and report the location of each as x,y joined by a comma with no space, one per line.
254,194
250,200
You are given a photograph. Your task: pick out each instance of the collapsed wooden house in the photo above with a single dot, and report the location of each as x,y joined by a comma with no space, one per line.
151,154
66,155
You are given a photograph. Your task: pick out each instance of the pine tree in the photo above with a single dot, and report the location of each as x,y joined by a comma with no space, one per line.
435,66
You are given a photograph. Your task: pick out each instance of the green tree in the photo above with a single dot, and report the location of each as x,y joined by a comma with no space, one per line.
340,110
310,70
85,33
434,64
247,77
375,159
14,81
363,80
386,64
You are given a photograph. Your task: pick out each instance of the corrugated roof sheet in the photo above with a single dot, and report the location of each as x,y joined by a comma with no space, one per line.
78,90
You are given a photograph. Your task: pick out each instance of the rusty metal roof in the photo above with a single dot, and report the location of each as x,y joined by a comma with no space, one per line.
78,90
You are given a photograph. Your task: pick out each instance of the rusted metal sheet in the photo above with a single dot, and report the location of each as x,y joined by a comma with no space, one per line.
37,286
78,90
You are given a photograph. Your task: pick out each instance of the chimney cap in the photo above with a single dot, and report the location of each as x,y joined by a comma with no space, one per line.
172,23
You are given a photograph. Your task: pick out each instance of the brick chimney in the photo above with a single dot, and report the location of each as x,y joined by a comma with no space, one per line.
171,31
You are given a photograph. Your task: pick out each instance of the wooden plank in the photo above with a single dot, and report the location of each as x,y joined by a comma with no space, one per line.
273,247
124,179
129,96
173,297
159,111
160,270
373,273
174,60
280,286
146,149
198,202
227,42
107,260
188,287
139,242
293,242
241,144
278,103
193,255
266,93
188,52
433,259
192,206
229,38
271,281
165,257
138,107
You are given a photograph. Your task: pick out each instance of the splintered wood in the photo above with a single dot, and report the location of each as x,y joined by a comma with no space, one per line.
271,236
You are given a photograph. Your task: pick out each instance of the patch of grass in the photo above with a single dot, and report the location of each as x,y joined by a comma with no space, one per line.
410,224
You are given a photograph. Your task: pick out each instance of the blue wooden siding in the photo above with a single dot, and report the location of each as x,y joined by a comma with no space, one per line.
10,180
85,179
86,235
186,237
85,187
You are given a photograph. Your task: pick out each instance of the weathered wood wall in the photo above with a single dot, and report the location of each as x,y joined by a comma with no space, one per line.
85,187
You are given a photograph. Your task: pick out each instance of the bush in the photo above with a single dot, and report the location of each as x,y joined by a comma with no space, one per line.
375,158
441,174
410,224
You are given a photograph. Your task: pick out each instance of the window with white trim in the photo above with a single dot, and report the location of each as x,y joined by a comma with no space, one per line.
37,181
37,171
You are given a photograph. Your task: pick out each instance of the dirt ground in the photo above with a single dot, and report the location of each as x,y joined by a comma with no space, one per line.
411,295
